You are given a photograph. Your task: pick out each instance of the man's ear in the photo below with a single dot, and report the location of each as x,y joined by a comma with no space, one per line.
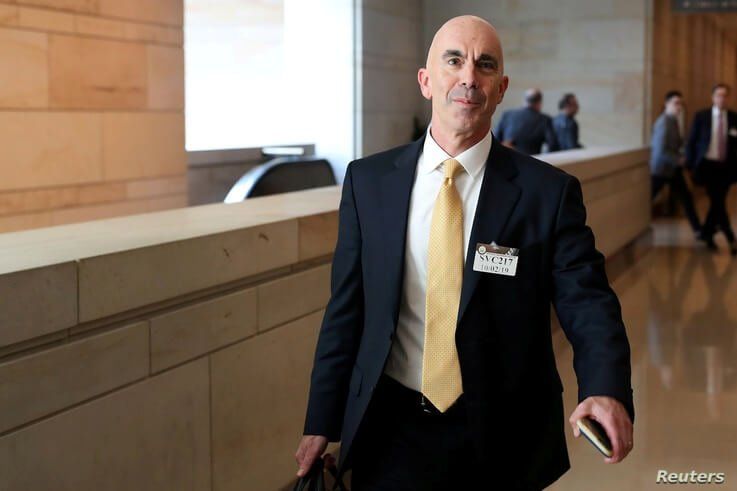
503,85
423,78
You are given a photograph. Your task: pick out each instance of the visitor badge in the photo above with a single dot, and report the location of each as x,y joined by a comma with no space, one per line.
495,259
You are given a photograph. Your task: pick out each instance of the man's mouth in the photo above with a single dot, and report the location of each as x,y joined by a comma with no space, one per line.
466,102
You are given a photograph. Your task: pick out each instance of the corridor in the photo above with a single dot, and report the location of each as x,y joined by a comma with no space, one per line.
681,315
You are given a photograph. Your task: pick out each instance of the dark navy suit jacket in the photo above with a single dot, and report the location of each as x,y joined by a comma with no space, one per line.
527,129
698,146
503,334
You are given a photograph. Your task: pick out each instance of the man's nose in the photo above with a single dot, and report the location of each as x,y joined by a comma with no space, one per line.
468,76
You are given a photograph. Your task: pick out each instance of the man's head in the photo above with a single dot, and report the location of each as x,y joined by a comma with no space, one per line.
534,99
673,103
568,104
464,76
720,95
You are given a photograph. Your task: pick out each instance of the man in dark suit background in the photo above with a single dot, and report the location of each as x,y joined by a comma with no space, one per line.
527,128
712,157
565,124
667,159
411,286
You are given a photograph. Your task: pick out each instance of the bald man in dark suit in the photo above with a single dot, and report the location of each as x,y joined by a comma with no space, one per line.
434,366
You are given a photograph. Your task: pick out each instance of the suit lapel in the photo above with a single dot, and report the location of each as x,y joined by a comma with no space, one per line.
497,199
395,190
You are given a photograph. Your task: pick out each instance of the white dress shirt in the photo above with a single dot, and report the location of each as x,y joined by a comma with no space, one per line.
716,113
405,358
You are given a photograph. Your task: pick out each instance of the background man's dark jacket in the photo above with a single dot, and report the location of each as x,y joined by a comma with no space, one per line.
698,146
503,334
527,129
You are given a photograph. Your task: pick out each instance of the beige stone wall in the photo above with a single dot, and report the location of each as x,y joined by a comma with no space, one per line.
594,48
173,350
91,110
616,191
691,52
389,57
180,363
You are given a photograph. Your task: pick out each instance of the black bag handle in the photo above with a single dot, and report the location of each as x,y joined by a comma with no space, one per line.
309,482
314,480
338,486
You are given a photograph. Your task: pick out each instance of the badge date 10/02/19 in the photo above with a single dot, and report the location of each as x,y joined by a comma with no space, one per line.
494,259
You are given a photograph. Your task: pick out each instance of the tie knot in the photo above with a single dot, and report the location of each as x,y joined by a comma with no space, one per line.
451,168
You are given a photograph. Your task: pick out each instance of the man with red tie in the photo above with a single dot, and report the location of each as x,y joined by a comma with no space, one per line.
711,152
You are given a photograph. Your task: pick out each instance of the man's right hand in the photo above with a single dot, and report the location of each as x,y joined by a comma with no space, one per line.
310,448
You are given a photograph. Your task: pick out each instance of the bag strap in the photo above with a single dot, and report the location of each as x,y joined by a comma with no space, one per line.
314,480
338,482
318,484
309,481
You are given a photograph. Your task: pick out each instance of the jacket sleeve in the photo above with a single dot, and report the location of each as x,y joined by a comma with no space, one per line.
588,309
691,149
574,130
665,158
561,133
550,138
342,325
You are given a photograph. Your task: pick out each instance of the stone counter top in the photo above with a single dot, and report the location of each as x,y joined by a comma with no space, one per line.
57,278
54,245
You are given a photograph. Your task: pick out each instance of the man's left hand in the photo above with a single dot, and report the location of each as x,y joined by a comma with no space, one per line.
612,415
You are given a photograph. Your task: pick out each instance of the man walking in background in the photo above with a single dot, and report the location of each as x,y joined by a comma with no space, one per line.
527,128
565,124
667,159
712,156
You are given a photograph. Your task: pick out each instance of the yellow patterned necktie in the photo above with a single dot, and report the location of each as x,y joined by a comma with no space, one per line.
441,371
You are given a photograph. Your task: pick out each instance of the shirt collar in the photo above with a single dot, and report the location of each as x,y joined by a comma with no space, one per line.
715,111
472,159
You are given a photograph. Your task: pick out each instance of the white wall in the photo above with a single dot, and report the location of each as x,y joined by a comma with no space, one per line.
319,43
270,73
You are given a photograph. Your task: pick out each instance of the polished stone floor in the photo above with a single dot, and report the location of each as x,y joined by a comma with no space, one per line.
680,308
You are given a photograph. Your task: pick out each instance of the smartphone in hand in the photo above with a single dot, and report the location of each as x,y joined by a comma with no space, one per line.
595,433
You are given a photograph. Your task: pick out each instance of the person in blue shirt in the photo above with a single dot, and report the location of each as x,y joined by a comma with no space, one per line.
667,159
565,125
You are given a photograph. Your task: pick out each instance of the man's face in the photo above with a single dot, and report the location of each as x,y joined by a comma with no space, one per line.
721,97
464,78
573,106
674,106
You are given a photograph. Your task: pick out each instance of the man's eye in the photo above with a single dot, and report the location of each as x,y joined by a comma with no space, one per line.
487,65
453,61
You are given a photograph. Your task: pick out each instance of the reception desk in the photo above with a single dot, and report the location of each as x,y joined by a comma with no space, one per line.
172,350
